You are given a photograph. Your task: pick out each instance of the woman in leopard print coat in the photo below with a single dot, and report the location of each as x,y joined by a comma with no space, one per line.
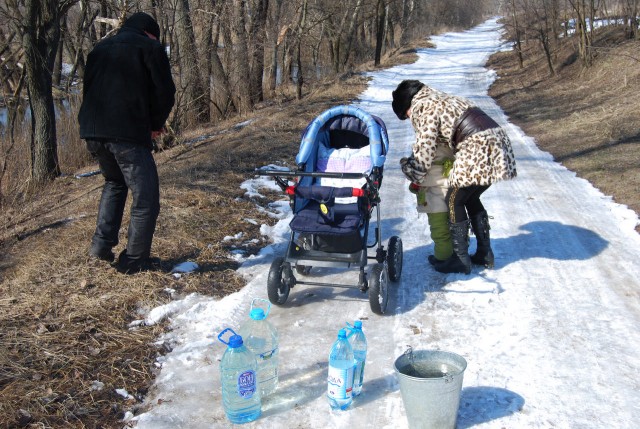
483,156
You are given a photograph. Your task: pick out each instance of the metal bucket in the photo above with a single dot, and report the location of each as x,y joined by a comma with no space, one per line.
430,384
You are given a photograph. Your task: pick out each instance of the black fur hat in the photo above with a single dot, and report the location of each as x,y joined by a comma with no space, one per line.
403,95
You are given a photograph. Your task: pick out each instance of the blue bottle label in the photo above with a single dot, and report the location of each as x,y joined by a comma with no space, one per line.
268,355
247,384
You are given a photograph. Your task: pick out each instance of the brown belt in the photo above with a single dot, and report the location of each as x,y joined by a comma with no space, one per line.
472,121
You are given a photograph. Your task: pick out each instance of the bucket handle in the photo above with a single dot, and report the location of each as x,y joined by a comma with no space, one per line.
448,378
409,353
268,306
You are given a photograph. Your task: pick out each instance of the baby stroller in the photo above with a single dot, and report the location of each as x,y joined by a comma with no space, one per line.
333,193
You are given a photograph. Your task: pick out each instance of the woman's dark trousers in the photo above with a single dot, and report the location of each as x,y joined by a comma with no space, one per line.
126,166
464,204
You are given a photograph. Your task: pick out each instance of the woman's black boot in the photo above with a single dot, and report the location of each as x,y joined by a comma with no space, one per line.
459,262
484,254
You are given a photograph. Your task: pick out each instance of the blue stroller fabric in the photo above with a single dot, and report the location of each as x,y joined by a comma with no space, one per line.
322,215
344,118
321,209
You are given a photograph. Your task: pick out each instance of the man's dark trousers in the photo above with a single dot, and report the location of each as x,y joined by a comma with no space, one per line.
126,166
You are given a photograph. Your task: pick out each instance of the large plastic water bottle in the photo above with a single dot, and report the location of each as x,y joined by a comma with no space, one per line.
240,391
261,338
358,342
340,378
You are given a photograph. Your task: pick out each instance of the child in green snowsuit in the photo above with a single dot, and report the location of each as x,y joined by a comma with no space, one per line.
431,194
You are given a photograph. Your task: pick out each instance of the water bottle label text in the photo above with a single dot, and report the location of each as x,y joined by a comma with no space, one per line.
340,383
247,384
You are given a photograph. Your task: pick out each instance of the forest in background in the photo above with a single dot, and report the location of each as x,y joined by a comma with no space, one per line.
230,56
227,58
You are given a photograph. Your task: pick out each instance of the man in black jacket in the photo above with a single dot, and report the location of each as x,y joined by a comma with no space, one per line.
127,96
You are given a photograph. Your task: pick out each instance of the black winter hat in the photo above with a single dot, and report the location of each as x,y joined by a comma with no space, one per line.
144,22
403,95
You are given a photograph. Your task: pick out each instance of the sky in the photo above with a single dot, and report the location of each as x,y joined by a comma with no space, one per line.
550,335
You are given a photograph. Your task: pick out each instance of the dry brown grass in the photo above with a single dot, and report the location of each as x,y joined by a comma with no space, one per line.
586,118
64,319
15,153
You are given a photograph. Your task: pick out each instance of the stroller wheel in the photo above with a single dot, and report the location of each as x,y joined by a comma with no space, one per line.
277,286
378,290
394,258
303,269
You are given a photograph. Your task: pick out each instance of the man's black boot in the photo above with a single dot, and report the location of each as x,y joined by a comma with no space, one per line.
128,265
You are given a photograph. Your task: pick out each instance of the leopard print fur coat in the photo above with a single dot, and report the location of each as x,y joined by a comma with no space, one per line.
482,158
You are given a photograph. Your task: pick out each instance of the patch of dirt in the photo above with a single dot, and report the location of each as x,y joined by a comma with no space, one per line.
586,118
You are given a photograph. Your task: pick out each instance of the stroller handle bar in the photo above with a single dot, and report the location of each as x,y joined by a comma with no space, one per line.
289,173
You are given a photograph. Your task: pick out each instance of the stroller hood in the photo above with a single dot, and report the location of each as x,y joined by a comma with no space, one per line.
353,119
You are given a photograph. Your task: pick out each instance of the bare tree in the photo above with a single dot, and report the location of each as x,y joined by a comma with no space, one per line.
582,32
38,24
381,18
300,31
194,98
541,17
351,33
407,10
630,11
240,57
274,42
221,86
258,35
517,32
340,30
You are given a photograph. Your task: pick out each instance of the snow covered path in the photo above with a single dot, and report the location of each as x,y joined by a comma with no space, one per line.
550,335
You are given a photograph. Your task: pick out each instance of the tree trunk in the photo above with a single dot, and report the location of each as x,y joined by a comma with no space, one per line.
404,21
390,32
302,23
258,33
335,33
41,33
580,8
518,34
222,99
351,33
275,43
381,15
207,66
57,65
241,75
546,47
195,97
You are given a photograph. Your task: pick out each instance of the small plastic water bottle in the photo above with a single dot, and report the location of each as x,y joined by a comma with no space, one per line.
261,338
240,391
340,378
358,342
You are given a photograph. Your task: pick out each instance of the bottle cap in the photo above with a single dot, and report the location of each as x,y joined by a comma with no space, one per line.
357,324
342,333
235,341
257,314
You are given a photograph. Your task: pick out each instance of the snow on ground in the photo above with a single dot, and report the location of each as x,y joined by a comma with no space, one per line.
550,335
